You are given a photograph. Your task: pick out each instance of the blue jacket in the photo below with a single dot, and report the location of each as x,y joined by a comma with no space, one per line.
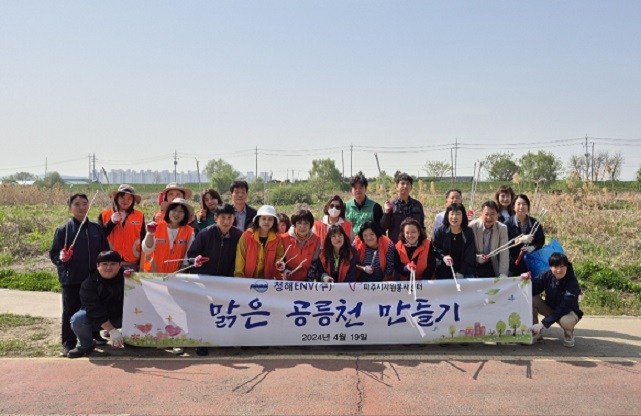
562,296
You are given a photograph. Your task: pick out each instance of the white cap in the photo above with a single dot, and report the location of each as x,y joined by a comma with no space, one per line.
266,210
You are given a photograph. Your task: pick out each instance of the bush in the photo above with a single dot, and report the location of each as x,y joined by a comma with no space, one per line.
291,195
42,281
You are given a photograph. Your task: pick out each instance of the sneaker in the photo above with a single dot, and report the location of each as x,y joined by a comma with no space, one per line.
99,342
64,351
568,340
202,351
177,350
79,352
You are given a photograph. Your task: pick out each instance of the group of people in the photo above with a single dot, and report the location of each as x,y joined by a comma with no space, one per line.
354,241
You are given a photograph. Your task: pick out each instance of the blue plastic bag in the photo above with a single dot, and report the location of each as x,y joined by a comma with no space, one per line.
537,261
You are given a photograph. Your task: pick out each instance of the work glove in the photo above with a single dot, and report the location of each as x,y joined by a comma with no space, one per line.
116,338
537,328
529,249
280,266
287,274
526,239
65,254
151,227
127,273
368,269
116,217
388,207
448,260
327,278
199,261
481,258
470,215
526,276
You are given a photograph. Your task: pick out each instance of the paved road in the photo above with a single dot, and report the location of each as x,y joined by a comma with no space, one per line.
601,375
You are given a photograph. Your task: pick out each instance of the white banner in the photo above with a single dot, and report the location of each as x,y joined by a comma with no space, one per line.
197,310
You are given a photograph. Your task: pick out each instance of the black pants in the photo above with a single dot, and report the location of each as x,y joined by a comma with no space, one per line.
485,270
70,305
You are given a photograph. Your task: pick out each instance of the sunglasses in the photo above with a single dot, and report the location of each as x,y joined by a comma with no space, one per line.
334,206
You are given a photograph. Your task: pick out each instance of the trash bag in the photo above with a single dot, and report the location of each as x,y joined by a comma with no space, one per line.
537,261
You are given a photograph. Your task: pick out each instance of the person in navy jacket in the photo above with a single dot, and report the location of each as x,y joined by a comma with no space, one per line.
561,304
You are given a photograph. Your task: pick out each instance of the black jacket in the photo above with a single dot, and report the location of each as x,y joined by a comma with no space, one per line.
103,298
443,246
513,231
562,296
221,251
391,223
250,213
91,241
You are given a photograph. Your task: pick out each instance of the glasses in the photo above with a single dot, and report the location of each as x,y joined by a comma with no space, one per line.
334,206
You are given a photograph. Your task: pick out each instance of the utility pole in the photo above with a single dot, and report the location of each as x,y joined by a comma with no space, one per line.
256,175
456,159
594,174
452,163
89,174
587,159
351,160
93,170
175,164
343,163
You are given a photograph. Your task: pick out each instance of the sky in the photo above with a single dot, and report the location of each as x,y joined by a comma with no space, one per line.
280,83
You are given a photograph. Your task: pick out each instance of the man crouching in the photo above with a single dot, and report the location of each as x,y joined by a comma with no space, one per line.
101,296
561,304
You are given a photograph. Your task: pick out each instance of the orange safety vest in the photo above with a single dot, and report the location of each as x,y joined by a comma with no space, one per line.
383,246
301,253
419,257
155,262
320,229
343,267
251,256
125,238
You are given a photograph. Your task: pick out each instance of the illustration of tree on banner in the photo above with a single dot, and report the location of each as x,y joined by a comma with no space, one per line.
523,329
500,327
452,330
514,320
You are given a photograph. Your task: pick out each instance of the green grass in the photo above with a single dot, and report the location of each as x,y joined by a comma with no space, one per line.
9,320
12,347
41,281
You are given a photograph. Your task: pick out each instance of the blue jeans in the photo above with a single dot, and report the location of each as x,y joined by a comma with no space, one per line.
84,328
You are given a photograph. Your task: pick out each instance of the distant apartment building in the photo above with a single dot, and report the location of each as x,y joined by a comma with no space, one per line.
154,176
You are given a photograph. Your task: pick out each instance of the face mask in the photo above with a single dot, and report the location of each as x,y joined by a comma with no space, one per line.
334,212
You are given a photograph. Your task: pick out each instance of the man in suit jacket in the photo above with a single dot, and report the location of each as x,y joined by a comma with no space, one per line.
244,214
490,234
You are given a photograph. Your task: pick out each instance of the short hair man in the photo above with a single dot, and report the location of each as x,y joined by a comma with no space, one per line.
451,196
401,207
101,295
238,192
490,234
561,304
360,209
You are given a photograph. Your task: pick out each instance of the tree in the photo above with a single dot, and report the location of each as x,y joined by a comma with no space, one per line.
452,330
613,166
540,166
514,320
500,166
577,166
221,175
639,175
436,169
326,170
51,180
500,327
